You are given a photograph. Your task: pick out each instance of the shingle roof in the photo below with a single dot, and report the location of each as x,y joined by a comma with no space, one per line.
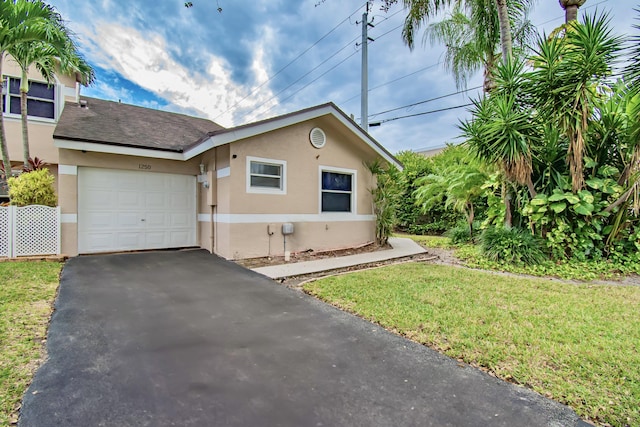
108,122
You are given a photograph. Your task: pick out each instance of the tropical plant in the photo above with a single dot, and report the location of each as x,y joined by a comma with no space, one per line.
460,184
512,245
58,53
384,200
632,70
20,21
420,11
33,188
472,38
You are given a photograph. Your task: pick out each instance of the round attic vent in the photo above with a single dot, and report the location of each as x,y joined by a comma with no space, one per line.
317,137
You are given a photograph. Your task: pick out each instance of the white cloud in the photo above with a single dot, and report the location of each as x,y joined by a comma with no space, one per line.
144,60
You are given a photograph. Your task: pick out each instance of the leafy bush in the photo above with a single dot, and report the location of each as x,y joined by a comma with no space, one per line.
512,245
33,188
459,234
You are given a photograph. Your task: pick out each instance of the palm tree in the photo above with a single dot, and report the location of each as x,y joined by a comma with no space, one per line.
564,82
48,58
20,21
472,38
420,11
571,9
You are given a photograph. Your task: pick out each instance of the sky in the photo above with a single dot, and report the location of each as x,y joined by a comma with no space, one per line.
257,59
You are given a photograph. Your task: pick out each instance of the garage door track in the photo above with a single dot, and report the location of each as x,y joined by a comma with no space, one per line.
185,338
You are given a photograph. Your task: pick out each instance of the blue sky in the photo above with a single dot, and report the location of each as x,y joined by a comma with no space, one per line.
229,66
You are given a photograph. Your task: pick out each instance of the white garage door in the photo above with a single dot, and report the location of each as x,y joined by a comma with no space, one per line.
130,210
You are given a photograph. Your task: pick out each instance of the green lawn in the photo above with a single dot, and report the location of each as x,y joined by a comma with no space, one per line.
578,344
27,291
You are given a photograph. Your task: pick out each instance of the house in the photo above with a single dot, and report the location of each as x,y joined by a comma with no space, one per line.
132,178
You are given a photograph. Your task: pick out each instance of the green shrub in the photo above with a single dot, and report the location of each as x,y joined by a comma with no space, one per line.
459,234
33,188
512,245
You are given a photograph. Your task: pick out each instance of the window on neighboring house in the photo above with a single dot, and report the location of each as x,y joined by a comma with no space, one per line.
40,98
266,176
337,191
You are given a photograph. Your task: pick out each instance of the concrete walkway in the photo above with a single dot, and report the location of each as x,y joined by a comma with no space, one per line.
402,247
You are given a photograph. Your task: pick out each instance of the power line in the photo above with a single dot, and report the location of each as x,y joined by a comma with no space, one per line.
323,74
421,114
303,76
308,84
253,91
426,101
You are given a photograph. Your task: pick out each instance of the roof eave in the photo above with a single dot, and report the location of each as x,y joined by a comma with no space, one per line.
230,135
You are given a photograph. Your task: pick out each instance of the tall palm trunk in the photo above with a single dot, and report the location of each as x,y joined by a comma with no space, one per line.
571,9
24,88
6,162
505,30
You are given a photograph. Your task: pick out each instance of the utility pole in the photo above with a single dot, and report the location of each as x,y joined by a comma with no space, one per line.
364,94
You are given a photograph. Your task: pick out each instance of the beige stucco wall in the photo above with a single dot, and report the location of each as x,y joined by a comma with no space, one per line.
40,130
317,231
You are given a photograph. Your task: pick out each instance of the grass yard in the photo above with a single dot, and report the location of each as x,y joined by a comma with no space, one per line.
27,291
578,344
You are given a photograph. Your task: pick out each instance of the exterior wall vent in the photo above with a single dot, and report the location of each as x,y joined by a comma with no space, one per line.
317,137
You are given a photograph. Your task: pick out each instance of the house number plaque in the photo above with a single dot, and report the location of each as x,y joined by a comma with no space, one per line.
144,166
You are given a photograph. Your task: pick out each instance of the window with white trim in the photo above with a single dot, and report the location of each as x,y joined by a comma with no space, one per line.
266,176
40,98
337,191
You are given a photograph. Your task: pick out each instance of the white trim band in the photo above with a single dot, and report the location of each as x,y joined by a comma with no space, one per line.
67,170
224,172
282,218
69,218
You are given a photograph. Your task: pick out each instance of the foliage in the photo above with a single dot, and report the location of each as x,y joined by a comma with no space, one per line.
26,302
512,245
566,141
458,181
459,234
33,188
471,34
23,21
576,343
633,68
384,199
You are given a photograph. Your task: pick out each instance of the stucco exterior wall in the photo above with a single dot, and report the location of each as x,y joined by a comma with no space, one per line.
252,217
40,129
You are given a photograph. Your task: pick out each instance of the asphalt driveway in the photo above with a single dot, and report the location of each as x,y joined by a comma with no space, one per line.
188,339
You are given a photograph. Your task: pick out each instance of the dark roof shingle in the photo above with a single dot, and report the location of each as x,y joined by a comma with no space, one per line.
108,122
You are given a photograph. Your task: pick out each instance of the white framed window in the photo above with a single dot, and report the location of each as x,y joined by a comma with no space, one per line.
41,99
266,176
337,190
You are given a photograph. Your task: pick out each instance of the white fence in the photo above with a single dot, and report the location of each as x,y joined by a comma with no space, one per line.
30,230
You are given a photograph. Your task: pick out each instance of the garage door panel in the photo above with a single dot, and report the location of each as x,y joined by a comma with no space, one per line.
156,239
132,210
177,238
157,219
100,198
129,200
157,201
97,220
129,240
127,220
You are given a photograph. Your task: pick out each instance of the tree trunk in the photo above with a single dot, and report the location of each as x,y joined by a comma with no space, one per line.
24,88
6,162
506,197
505,30
571,13
470,218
